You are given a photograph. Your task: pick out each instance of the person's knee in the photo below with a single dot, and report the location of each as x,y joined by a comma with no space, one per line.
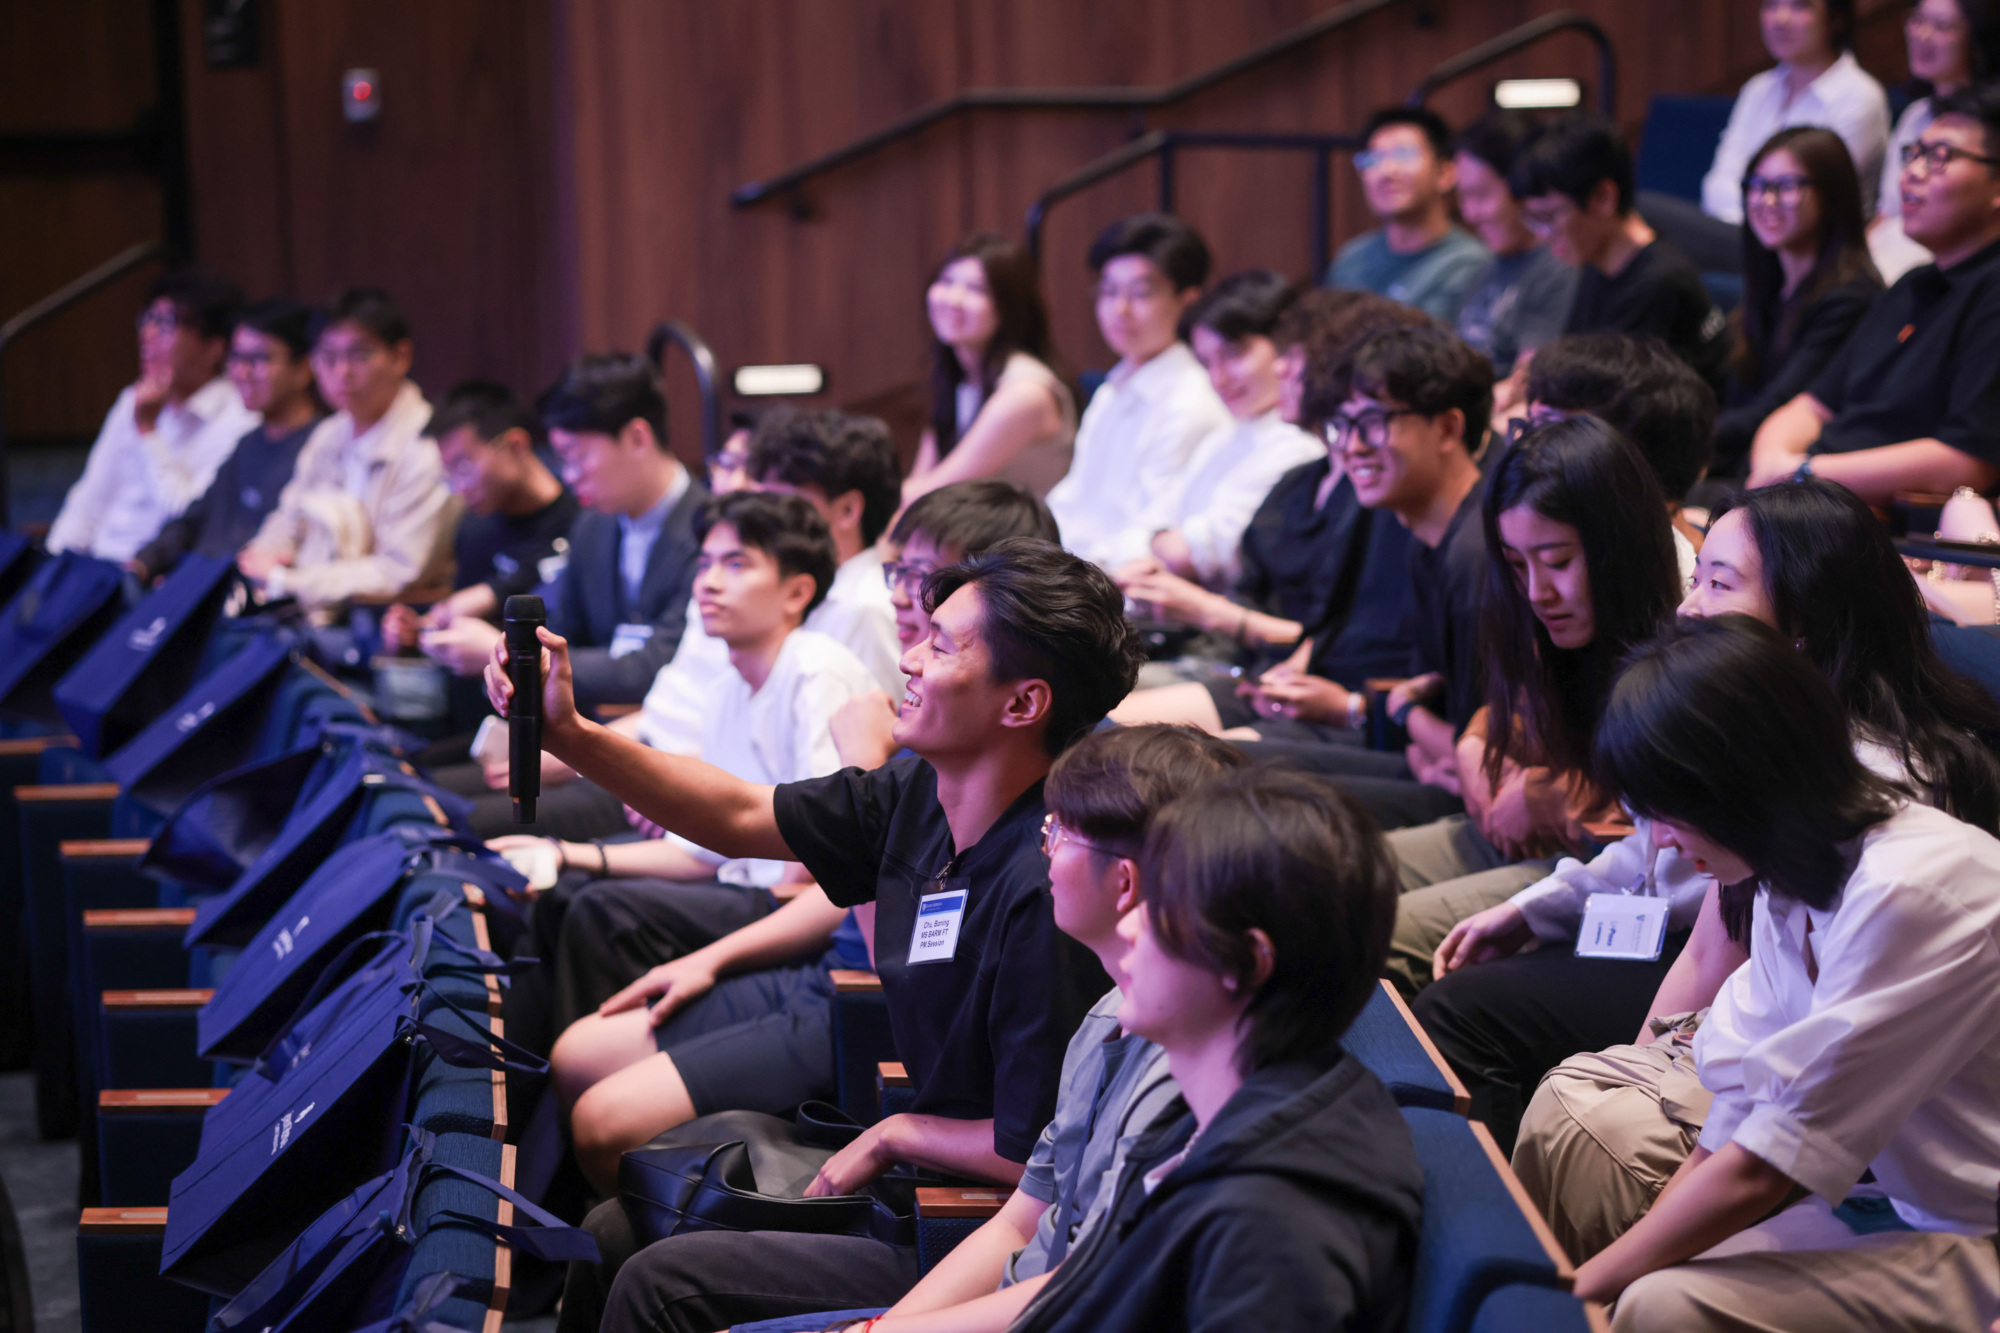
604,1124
581,1057
1661,1302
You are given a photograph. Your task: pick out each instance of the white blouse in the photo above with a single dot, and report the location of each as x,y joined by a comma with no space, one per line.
1867,1036
1845,99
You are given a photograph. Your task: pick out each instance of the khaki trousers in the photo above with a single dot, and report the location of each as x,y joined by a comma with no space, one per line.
1605,1132
1450,871
1803,1271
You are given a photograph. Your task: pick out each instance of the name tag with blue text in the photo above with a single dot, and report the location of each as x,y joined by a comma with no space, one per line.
939,915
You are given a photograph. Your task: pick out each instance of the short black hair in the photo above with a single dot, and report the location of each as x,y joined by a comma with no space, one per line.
1571,158
784,527
489,407
837,452
1654,398
1244,304
201,300
1427,370
973,516
371,308
603,392
1498,138
280,317
1051,616
1174,247
1720,725
1294,856
1109,785
1436,133
1975,101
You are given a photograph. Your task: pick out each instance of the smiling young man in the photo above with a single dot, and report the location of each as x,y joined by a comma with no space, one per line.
366,513
1912,400
268,365
1139,434
1576,192
168,432
1028,649
1417,256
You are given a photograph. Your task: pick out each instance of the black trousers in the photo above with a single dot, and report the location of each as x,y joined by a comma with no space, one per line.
1379,779
709,1280
575,811
595,937
1504,1024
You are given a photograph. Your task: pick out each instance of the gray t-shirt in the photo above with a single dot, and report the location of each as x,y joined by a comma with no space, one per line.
1434,279
1516,302
1113,1087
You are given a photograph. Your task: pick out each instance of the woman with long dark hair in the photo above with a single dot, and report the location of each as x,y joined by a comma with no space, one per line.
1862,1041
1807,280
998,408
1811,561
1581,567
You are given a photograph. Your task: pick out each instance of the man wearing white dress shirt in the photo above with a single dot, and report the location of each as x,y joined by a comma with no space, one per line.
1138,437
168,432
367,512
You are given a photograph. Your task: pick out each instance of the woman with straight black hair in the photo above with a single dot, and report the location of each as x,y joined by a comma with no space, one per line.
998,407
1811,561
1581,567
1862,1041
1807,280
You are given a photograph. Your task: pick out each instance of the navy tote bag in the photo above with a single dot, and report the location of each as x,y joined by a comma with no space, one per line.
145,661
64,607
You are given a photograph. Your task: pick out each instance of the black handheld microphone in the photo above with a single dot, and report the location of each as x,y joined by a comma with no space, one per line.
524,615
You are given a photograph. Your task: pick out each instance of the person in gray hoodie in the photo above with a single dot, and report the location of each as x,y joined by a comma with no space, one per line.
1282,1192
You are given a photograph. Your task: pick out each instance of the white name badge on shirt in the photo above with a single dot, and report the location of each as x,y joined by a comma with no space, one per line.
629,639
939,916
1623,925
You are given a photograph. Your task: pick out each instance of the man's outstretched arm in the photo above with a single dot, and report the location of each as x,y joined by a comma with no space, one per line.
698,801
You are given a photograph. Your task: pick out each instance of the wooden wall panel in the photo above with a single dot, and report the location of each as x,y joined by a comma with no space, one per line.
79,66
673,106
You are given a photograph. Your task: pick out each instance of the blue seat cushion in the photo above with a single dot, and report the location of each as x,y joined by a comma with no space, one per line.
1522,1308
1382,1040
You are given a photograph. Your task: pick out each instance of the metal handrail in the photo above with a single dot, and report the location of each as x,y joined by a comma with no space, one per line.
1136,100
703,356
1164,144
1980,555
57,301
1567,20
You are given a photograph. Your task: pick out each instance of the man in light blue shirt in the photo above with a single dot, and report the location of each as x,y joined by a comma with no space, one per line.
1417,256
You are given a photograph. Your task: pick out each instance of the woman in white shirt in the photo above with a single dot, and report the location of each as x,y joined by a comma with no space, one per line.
1951,43
997,408
1811,561
1195,532
1862,1039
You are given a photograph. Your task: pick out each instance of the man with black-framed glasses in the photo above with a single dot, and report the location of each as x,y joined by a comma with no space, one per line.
1911,402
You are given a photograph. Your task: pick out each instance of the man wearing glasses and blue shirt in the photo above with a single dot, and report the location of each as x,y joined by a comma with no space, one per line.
1911,402
1417,256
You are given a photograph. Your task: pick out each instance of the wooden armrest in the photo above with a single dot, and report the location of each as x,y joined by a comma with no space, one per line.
950,1201
17,746
141,1000
138,918
893,1075
117,1101
104,849
69,791
1609,830
1383,684
848,981
1596,1317
605,712
122,1222
1565,1271
1461,1099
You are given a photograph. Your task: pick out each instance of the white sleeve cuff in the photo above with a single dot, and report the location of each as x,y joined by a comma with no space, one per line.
1808,1156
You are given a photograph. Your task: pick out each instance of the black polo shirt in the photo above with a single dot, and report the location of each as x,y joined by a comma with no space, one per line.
1923,364
983,1033
506,551
1445,583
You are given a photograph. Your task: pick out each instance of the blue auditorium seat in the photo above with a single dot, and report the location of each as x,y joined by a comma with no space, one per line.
1387,1040
1679,142
1522,1308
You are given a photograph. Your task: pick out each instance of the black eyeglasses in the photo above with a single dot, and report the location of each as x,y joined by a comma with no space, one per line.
1371,424
1785,190
1937,156
1537,416
905,575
